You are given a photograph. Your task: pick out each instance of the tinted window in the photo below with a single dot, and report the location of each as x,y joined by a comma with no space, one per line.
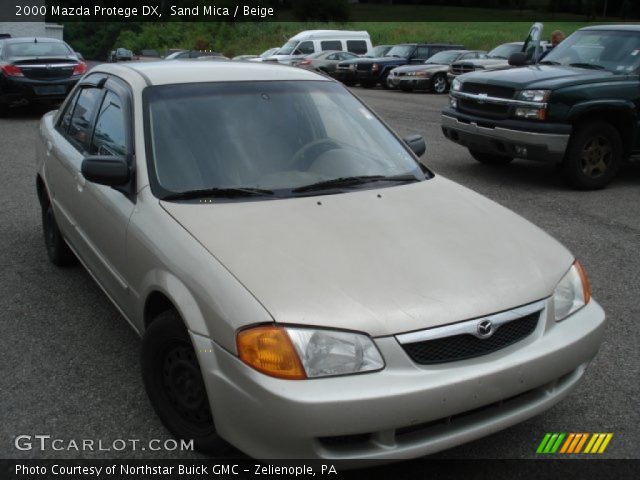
358,47
422,53
109,137
80,127
331,45
306,48
40,49
346,56
65,120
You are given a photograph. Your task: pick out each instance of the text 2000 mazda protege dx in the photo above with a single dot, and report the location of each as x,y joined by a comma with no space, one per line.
303,286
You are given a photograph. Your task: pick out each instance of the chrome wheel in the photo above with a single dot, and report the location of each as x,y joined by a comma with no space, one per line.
439,84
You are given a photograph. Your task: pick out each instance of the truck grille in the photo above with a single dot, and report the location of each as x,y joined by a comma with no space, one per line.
460,68
364,67
489,110
491,90
460,347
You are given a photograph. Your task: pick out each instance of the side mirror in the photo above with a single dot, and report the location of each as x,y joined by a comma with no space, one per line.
518,59
416,143
106,170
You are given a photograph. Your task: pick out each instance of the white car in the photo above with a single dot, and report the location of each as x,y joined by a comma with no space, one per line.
304,287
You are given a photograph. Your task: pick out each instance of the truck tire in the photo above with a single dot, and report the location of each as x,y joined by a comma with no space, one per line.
174,384
367,83
489,158
384,83
593,157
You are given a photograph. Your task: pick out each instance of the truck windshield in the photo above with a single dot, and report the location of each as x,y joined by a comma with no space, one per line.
266,136
402,51
288,48
504,51
616,51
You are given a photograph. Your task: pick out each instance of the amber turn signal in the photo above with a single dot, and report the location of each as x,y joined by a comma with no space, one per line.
586,287
269,350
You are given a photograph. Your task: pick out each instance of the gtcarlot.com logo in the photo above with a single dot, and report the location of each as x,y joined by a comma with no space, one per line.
574,443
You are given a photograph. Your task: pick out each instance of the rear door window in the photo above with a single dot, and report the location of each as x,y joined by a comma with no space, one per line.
79,132
359,47
331,45
422,53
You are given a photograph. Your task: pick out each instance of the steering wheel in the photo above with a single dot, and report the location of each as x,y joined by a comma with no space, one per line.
321,145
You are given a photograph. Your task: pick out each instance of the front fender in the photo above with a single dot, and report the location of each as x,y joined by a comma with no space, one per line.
592,106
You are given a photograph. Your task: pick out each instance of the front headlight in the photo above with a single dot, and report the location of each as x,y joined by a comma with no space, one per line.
422,74
572,293
297,353
538,96
456,85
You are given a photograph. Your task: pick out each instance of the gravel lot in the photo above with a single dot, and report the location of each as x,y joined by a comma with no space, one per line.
69,362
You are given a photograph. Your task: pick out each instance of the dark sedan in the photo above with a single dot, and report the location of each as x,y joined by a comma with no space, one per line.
36,70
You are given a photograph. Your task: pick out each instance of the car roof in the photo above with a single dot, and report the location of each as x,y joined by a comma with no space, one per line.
11,40
627,27
165,73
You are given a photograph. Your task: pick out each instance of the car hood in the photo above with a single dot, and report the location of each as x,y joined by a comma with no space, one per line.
422,68
485,62
541,77
380,261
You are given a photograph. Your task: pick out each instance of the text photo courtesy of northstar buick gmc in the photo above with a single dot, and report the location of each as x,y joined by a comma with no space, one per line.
314,269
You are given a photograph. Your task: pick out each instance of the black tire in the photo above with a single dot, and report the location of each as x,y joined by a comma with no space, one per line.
367,83
174,383
593,157
4,109
349,83
58,251
489,158
383,82
439,84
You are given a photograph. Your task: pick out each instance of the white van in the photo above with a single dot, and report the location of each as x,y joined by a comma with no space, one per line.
315,41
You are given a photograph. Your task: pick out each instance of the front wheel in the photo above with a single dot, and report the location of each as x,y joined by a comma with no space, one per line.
174,383
489,158
367,83
439,83
593,157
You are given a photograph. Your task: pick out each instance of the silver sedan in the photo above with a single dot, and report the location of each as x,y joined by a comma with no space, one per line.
304,287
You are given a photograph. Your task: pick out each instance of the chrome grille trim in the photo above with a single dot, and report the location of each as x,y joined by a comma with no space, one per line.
470,327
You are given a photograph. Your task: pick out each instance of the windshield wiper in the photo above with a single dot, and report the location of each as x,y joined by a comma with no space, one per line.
549,62
587,65
229,192
342,182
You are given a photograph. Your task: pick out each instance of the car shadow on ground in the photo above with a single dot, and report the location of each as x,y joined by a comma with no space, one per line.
535,175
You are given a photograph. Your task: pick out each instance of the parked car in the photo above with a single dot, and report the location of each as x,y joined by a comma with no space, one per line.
372,71
577,108
432,74
316,298
325,62
243,58
314,41
345,71
264,55
36,70
498,58
188,54
121,55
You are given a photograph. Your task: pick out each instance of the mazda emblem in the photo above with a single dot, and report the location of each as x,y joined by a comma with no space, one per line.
485,328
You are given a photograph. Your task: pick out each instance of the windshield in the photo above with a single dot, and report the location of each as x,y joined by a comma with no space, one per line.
400,51
379,51
504,51
443,58
288,48
616,51
268,53
39,49
277,136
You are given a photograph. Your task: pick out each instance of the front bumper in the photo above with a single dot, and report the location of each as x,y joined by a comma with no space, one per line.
507,137
19,89
416,83
406,410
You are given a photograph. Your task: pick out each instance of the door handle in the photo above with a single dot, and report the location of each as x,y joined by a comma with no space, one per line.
49,147
81,181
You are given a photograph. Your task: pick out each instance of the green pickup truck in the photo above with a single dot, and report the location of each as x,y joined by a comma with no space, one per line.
577,106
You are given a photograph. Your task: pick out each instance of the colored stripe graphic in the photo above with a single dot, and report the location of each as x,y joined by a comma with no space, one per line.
573,443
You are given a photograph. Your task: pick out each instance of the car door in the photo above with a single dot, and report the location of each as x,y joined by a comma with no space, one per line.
100,213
